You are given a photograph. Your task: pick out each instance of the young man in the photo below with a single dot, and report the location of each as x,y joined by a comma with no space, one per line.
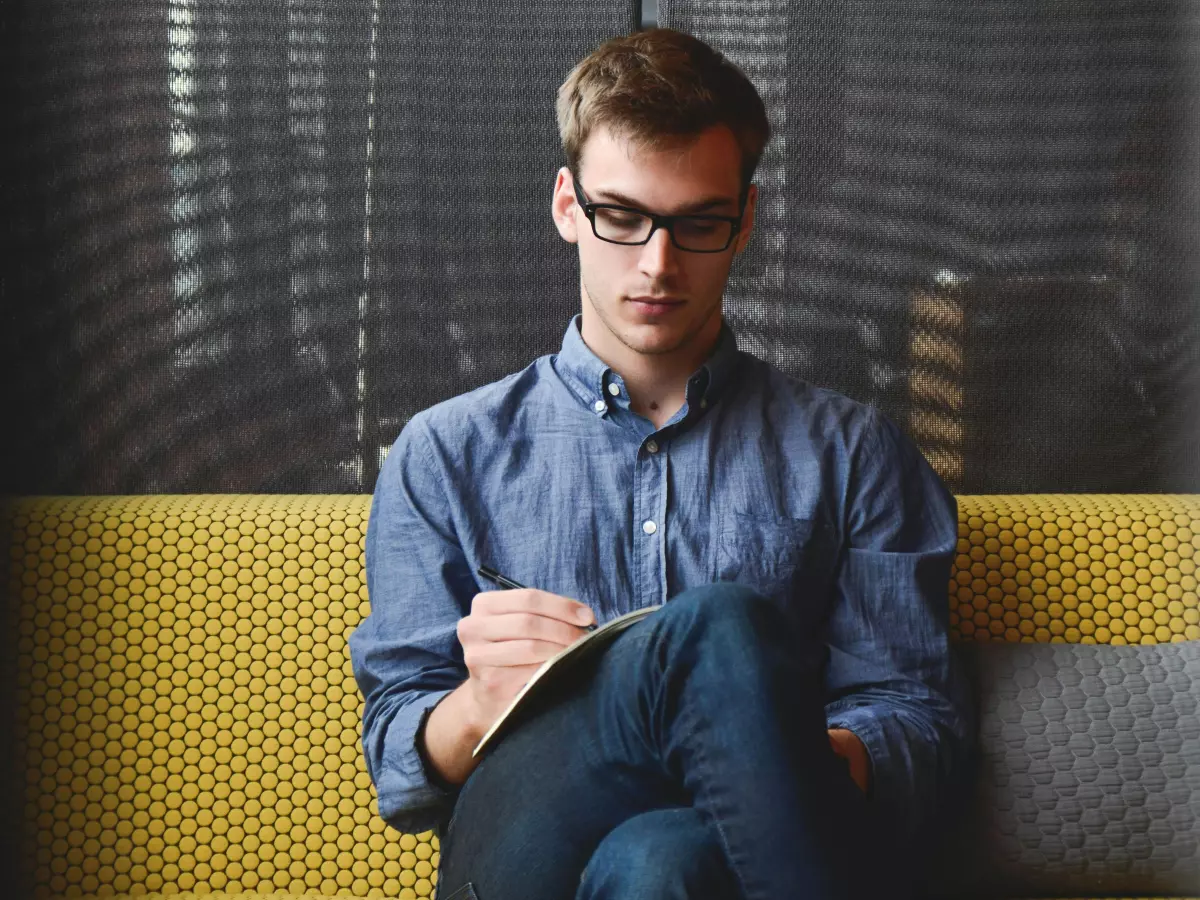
788,723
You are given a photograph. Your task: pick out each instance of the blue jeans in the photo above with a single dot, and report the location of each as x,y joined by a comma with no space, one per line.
691,760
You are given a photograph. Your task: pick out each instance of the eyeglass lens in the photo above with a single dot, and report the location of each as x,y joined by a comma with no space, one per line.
690,233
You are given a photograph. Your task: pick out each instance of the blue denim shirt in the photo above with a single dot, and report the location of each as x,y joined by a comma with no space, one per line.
761,479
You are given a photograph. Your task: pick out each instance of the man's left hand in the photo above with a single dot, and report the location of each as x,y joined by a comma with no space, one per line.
847,744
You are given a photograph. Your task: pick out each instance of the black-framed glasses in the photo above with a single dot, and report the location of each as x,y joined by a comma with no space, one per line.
632,227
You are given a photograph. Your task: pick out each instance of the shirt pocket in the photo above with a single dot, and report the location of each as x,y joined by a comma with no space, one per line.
768,554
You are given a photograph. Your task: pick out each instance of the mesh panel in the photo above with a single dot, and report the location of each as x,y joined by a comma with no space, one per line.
193,213
253,238
469,281
978,217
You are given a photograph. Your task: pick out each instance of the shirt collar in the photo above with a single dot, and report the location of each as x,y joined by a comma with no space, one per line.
598,385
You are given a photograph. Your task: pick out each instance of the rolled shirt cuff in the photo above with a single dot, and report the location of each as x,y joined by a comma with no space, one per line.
410,800
890,784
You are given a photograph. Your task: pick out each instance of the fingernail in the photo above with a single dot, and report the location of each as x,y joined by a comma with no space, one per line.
584,616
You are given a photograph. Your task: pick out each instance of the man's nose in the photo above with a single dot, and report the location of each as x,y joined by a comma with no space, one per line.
659,256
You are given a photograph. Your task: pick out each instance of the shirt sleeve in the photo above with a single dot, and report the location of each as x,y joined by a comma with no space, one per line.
405,654
892,677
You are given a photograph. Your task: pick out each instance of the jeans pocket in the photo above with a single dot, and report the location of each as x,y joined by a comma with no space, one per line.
446,833
466,892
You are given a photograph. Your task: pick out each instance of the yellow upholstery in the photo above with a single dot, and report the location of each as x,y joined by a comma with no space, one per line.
1082,568
188,720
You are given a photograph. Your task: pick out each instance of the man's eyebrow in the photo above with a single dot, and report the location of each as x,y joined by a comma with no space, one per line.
700,206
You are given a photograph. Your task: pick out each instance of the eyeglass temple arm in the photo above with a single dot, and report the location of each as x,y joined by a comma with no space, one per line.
666,222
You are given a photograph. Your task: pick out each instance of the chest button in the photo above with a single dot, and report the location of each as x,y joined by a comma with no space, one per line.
649,527
651,446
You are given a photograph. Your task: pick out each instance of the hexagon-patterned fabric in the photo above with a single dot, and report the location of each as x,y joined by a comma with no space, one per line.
188,716
1076,568
1089,774
188,719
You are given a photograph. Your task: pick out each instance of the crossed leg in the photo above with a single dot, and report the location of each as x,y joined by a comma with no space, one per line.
701,734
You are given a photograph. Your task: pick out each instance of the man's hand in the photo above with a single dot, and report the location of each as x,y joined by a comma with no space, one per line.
847,744
507,636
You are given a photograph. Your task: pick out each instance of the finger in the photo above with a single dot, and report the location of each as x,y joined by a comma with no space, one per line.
520,626
529,600
503,654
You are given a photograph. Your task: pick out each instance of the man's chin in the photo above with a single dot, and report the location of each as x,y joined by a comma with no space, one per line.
653,339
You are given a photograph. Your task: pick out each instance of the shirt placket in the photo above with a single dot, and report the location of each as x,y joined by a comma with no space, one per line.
650,520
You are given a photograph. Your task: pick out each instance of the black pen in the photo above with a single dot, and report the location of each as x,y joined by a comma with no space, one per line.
505,582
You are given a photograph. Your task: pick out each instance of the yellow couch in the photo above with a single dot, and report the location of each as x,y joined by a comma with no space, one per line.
188,720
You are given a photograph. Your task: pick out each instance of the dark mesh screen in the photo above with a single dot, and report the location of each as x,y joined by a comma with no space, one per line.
252,238
982,217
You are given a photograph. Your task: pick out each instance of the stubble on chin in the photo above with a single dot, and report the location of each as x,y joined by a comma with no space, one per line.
626,335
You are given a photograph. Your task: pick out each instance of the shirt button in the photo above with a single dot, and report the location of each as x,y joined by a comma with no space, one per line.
599,406
614,389
651,447
649,527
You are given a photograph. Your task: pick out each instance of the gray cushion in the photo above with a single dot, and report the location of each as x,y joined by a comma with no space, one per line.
1089,778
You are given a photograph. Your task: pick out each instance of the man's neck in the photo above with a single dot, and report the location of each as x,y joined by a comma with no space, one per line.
657,384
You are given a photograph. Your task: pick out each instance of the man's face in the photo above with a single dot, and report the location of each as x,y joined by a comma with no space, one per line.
654,299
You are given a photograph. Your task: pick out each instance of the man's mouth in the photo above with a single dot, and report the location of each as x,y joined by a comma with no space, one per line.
655,304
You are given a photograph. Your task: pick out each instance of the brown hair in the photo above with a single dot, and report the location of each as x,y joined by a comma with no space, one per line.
657,88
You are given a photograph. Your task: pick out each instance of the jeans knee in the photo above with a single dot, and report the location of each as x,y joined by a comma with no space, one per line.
732,626
720,602
728,611
667,854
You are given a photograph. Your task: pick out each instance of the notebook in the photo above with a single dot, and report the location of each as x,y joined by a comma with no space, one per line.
582,649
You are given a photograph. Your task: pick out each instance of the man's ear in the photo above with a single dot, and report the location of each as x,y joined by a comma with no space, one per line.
743,238
563,207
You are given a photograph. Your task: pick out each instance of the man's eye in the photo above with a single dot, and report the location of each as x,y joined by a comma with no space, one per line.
699,226
622,220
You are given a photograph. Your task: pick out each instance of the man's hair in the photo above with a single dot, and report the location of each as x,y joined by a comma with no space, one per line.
659,88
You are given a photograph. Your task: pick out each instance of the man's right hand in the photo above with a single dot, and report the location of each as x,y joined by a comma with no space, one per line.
507,636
